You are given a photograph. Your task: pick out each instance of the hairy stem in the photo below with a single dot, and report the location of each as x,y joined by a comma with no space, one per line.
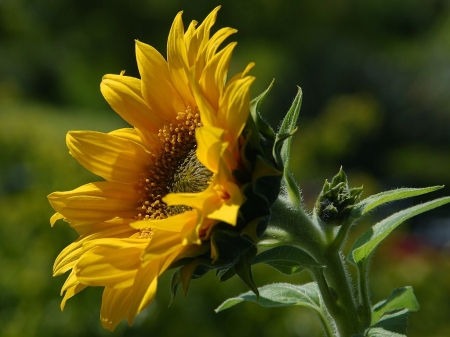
364,295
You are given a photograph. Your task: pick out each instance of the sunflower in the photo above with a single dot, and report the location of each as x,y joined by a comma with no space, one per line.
169,180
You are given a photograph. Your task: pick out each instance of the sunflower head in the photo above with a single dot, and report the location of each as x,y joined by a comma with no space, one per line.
188,185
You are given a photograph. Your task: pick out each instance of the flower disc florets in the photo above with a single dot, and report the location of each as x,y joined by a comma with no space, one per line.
175,169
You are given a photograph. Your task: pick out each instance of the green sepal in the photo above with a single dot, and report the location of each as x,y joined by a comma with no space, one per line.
253,228
244,270
400,298
225,274
280,295
366,243
266,180
255,104
286,259
283,139
379,199
191,269
174,283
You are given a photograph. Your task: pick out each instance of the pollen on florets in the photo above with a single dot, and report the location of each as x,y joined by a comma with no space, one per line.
175,168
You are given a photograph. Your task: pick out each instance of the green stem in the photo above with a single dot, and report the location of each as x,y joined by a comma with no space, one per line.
364,295
341,237
327,324
342,306
290,225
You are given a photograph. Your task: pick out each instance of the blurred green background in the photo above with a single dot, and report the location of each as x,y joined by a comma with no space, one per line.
375,76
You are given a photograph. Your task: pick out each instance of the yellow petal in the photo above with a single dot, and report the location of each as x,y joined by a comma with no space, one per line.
69,256
144,289
190,33
96,202
129,134
216,40
197,47
173,223
214,75
157,87
210,146
70,288
228,209
178,62
113,158
207,112
235,107
194,200
145,285
55,217
123,94
88,227
115,306
162,243
110,262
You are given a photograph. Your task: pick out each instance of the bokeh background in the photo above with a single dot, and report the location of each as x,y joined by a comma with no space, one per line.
376,79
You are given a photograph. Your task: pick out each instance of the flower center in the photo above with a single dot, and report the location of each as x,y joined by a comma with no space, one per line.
175,168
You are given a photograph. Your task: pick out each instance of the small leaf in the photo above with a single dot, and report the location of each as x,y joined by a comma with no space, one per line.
366,243
255,104
394,322
286,259
282,147
399,298
380,332
372,202
280,295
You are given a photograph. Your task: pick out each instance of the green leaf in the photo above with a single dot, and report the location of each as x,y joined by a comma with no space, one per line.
395,323
282,148
380,332
255,104
365,244
287,129
372,202
280,295
399,298
286,259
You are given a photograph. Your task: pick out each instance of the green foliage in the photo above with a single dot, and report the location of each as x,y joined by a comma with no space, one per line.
398,299
365,245
280,295
382,198
342,313
286,259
